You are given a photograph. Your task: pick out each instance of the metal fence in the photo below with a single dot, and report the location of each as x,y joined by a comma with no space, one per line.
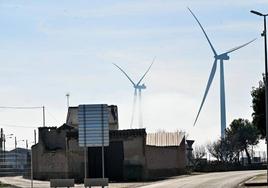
15,162
165,138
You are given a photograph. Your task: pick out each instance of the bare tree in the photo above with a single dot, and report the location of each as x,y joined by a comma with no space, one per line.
199,152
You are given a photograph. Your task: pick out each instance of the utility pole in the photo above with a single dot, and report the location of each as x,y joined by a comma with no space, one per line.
2,152
4,140
31,167
16,152
34,136
15,142
32,159
264,34
1,140
44,117
6,137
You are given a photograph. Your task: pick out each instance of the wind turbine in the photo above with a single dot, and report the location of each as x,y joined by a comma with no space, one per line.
137,87
217,57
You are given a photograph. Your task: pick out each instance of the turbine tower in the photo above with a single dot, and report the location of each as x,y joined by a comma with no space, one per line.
137,87
217,57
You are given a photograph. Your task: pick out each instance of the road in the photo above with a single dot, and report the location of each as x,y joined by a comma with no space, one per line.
20,182
209,180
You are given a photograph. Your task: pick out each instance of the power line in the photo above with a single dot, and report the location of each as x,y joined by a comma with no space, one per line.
20,107
51,115
21,126
26,108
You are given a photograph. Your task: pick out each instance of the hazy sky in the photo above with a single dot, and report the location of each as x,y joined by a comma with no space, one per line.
49,48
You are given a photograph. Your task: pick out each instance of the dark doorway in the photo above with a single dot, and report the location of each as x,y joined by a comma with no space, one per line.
113,157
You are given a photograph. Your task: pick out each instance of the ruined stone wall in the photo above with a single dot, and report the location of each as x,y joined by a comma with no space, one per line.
75,158
52,138
49,155
134,151
49,164
134,157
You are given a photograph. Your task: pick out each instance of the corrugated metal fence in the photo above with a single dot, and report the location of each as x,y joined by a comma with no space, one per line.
165,138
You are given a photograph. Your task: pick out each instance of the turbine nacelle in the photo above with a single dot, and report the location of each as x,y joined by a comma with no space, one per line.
222,56
140,86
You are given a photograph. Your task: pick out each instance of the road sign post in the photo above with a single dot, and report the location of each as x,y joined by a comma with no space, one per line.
102,140
93,130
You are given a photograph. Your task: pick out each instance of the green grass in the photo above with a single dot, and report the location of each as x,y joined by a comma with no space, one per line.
5,185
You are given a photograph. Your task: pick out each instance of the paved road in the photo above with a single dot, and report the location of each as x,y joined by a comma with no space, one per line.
210,180
18,181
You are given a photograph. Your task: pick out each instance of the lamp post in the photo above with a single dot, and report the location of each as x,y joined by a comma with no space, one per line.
264,34
31,161
68,99
44,116
16,142
4,140
16,153
6,137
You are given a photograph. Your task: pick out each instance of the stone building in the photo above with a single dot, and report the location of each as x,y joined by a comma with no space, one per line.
131,155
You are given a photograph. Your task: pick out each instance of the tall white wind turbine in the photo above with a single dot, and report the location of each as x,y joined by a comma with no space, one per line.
137,87
217,57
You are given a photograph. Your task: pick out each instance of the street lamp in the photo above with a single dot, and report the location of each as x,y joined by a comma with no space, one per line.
264,34
29,143
16,153
16,142
6,137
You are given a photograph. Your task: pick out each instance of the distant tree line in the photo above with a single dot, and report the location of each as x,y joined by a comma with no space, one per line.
240,135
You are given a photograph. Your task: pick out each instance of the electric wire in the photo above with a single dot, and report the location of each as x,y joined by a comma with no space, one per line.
21,107
19,126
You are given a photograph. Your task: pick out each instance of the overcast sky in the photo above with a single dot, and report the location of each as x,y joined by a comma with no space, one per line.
49,48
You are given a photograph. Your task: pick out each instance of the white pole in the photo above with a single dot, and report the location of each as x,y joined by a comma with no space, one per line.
68,99
222,96
16,152
44,117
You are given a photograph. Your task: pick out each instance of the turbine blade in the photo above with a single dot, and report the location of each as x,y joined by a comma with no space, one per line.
241,46
125,74
146,72
212,48
133,107
211,76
